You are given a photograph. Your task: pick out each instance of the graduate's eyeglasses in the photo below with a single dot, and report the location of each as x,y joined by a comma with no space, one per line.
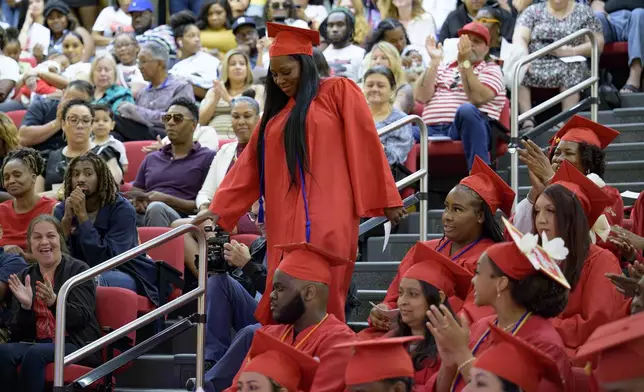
178,118
276,5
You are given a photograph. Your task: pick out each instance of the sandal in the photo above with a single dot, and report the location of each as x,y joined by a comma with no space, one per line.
527,124
629,89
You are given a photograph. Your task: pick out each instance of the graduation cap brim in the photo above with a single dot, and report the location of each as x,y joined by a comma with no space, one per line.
582,130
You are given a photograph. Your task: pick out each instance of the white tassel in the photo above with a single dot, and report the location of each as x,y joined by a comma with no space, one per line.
596,179
600,229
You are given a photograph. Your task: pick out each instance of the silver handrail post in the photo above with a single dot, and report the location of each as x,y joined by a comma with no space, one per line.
514,104
201,309
424,181
59,352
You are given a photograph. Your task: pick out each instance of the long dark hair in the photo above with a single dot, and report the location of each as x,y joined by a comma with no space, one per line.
572,226
379,34
107,190
537,293
592,158
426,349
202,19
295,143
491,228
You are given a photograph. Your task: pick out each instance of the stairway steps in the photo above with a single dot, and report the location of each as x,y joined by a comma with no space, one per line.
616,171
168,371
629,132
399,245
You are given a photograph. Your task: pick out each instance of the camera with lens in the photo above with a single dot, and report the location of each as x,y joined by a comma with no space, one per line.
215,250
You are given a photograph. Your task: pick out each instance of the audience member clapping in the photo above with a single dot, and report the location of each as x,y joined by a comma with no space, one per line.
34,295
142,121
385,54
77,118
34,14
168,180
195,65
380,90
99,224
20,172
236,77
215,21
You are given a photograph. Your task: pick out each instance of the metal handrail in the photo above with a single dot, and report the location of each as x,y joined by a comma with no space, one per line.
60,360
421,173
515,118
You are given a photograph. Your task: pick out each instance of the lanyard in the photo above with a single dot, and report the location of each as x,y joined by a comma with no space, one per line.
289,329
515,330
260,212
462,252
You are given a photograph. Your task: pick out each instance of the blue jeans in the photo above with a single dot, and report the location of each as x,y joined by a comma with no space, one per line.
10,14
222,374
472,128
180,5
32,358
228,305
116,278
624,25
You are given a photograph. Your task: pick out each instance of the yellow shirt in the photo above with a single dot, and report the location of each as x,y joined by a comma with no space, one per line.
223,40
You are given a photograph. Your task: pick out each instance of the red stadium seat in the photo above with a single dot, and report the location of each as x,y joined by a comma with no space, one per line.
135,157
614,56
245,239
171,252
115,307
16,116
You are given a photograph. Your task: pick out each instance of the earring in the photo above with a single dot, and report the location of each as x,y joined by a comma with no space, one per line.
498,293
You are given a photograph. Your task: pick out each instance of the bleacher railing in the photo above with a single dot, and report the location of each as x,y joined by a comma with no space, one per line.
60,360
515,118
420,174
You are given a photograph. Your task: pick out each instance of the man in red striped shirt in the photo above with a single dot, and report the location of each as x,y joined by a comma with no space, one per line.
460,98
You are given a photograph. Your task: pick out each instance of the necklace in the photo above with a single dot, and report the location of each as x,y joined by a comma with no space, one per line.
289,329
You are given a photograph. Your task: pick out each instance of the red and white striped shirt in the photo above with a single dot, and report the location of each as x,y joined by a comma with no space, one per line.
449,94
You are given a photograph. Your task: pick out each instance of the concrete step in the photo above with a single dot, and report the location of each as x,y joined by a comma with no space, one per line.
632,100
398,246
629,132
616,171
158,371
621,186
625,152
370,276
623,115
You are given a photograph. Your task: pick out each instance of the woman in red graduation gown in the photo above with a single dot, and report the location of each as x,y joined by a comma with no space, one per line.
523,298
564,210
315,158
580,142
431,279
469,229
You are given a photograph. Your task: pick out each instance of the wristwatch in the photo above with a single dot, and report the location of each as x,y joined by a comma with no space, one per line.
465,64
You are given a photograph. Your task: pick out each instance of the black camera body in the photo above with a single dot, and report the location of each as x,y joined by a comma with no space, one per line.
215,250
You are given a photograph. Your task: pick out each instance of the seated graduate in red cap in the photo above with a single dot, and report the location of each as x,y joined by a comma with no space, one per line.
317,161
298,302
431,280
274,366
469,228
617,351
523,283
568,208
512,365
581,142
381,365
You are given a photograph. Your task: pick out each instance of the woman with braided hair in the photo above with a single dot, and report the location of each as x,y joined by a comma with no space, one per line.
8,142
99,224
20,171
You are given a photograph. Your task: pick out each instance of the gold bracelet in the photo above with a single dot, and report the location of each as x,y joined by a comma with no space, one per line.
460,368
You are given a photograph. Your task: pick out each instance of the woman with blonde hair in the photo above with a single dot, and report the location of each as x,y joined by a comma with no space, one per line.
385,54
8,143
236,77
361,28
104,77
418,23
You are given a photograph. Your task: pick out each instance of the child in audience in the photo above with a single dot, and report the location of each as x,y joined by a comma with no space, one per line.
101,128
125,50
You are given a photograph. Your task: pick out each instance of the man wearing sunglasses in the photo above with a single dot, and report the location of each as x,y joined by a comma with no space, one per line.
168,180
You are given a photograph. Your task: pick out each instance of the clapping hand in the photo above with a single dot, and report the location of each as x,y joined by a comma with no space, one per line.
22,292
452,338
435,51
45,291
537,162
625,285
464,48
155,146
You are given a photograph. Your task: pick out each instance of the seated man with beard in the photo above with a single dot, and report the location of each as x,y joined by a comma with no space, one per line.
298,303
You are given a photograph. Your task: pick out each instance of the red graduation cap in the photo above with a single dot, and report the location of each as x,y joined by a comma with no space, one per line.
487,184
518,265
306,261
291,40
434,268
618,349
592,198
580,129
512,359
287,366
379,359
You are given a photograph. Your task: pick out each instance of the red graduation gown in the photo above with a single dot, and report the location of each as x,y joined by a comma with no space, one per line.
593,302
467,260
539,333
333,363
349,178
